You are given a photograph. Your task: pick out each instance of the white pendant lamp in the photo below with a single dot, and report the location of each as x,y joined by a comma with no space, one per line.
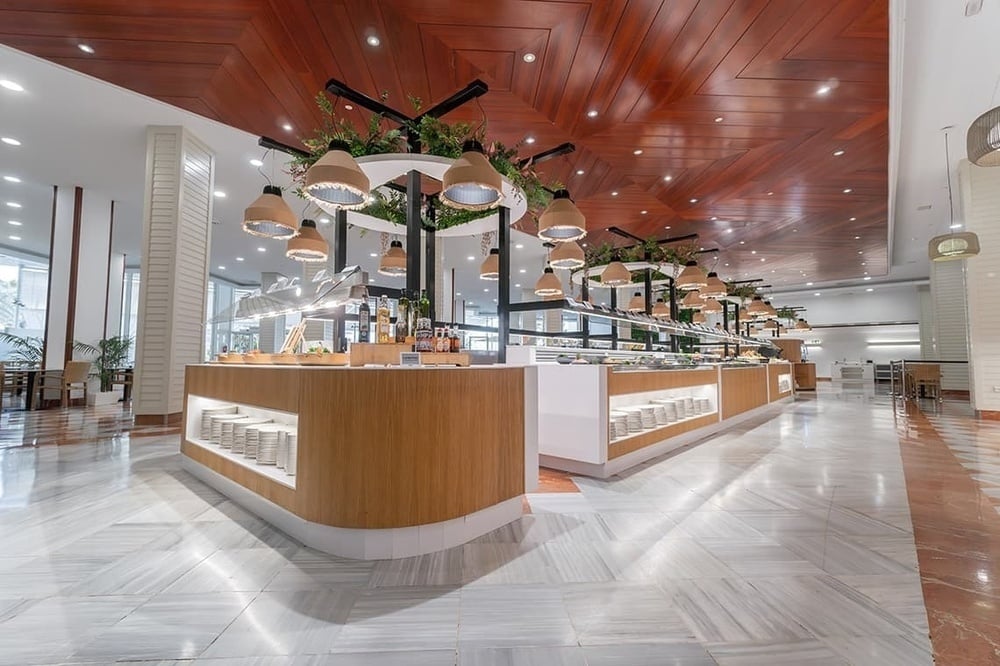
471,182
270,217
562,220
490,268
568,255
549,284
337,180
757,309
692,277
637,303
308,245
616,275
714,287
660,308
965,244
393,262
693,301
698,318
711,306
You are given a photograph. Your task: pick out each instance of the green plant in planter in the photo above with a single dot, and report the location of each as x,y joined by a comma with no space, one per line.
111,354
26,351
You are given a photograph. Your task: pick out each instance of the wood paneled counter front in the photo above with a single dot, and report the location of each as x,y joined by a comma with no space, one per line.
392,462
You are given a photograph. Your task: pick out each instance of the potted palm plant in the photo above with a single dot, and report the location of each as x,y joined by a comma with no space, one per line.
110,355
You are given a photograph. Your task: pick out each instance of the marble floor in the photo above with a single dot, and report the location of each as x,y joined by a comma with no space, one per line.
788,540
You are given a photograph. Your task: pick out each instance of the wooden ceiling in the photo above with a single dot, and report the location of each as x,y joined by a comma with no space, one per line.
659,73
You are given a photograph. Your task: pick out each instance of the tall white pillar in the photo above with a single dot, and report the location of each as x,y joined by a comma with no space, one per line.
271,331
980,198
176,242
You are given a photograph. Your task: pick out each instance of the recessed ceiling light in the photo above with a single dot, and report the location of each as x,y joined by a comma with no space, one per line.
86,48
518,284
864,263
11,85
528,57
870,289
349,107
770,194
222,268
729,231
713,218
9,141
809,284
694,201
14,237
287,127
718,119
726,265
763,259
530,139
262,249
324,220
838,153
666,227
822,90
753,251
370,280
643,212
373,40
795,231
847,190
852,219
256,163
13,204
637,151
955,226
816,294
219,194
519,246
583,244
486,289
458,293
860,252
615,193
592,113
373,254
579,172
14,223
12,179
239,258
857,238
867,278
470,257
668,178
743,242
523,270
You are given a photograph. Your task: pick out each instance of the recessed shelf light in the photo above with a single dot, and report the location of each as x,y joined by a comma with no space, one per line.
519,246
847,190
219,194
373,40
287,127
528,57
579,172
239,258
86,48
615,193
694,201
256,163
718,119
823,90
222,268
592,113
530,139
13,204
262,249
11,85
637,151
10,141
14,223
14,238
12,179
838,153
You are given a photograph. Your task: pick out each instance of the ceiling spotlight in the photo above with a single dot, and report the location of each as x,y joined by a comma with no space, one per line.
867,278
12,179
852,219
592,113
817,294
518,285
643,212
222,268
728,231
372,40
13,223
239,258
13,204
471,258
324,220
860,252
743,242
694,201
523,270
637,151
528,57
373,254
579,172
713,218
349,107
809,284
847,190
530,139
86,48
753,251
822,90
668,178
718,119
615,193
763,259
287,127
667,227
857,238
11,85
9,141
838,153
256,163
262,249
219,194
14,238
519,246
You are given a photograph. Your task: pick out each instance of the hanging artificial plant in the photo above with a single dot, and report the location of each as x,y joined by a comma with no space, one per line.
742,291
438,138
787,313
605,253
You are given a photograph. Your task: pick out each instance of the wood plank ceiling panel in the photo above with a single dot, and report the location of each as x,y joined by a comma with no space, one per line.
659,73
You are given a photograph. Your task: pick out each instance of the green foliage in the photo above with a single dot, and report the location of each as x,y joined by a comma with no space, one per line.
742,291
25,351
111,354
787,313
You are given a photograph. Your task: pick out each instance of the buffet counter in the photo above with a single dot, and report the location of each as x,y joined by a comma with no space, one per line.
367,463
599,420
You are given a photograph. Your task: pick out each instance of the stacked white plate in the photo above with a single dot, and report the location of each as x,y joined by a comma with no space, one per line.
253,439
648,415
689,409
216,431
633,418
706,405
293,453
661,414
617,424
670,408
282,457
267,443
206,418
239,441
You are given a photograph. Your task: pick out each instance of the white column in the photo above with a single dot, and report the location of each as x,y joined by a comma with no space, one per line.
981,206
176,242
116,285
271,331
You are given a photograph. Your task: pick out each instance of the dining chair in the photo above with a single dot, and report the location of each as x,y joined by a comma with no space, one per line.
73,378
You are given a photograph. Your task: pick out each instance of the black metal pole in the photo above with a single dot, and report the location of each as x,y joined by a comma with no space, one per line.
647,283
674,314
585,321
503,284
737,308
430,270
339,263
413,228
725,327
614,324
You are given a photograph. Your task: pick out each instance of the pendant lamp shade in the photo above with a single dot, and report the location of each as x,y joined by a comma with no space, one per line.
549,284
661,309
693,301
770,325
949,247
490,268
697,318
757,309
471,182
393,262
714,287
269,216
771,312
802,325
337,180
983,139
744,315
637,303
692,277
567,255
711,306
562,220
309,245
615,275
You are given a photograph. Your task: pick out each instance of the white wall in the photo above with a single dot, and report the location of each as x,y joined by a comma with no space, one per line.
59,270
879,344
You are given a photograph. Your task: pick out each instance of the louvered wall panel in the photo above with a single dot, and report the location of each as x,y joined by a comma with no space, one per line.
951,341
981,203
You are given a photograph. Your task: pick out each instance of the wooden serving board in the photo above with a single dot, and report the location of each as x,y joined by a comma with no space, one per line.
460,359
367,353
324,359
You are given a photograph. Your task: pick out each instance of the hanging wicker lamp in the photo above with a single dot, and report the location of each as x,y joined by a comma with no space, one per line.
308,245
562,220
393,262
568,255
471,182
616,274
270,217
490,268
337,180
692,277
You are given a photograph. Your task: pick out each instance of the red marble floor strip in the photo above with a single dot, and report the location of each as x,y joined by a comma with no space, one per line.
957,535
554,481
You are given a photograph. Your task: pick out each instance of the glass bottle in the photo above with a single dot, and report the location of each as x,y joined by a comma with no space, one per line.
425,304
364,319
402,317
382,320
456,342
424,331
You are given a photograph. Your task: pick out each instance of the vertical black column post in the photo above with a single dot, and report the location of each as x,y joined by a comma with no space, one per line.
674,314
503,284
737,328
339,263
614,324
585,321
413,228
430,270
725,327
647,283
